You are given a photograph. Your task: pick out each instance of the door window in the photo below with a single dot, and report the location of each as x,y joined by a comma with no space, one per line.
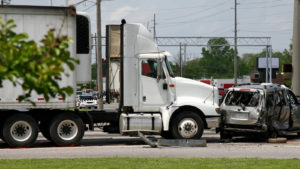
291,98
149,68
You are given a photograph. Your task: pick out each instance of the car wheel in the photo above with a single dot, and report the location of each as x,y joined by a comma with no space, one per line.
187,125
225,135
20,130
66,129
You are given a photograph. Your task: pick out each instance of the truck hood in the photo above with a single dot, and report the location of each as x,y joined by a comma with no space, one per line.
197,90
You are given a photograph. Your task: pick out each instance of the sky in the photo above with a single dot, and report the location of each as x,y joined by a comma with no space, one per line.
255,18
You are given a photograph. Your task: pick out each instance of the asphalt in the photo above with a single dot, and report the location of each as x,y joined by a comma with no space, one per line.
99,144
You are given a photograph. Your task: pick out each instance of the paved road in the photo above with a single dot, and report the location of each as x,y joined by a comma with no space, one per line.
98,144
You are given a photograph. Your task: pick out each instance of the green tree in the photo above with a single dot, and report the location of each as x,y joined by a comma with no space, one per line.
34,67
250,59
217,60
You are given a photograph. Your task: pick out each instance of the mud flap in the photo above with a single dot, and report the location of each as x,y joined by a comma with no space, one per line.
173,142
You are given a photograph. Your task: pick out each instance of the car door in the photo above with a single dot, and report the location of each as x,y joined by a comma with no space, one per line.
295,110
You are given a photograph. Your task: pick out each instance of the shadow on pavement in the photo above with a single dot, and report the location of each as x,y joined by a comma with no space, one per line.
210,138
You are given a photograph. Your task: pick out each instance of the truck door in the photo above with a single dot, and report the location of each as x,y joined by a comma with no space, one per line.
153,85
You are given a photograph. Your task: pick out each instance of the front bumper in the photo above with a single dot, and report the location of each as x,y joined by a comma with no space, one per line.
88,106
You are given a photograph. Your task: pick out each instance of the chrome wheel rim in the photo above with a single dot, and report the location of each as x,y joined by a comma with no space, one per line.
67,130
187,128
21,131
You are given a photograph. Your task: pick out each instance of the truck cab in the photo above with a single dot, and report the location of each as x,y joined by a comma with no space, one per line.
153,100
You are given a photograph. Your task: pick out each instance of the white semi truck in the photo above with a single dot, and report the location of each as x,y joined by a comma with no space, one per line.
152,100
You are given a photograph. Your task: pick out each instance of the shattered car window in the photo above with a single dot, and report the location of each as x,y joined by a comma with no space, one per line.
242,98
279,98
292,98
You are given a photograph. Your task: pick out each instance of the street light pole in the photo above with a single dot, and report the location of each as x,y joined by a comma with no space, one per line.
99,57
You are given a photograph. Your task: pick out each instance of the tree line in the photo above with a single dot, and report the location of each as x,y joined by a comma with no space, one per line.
217,61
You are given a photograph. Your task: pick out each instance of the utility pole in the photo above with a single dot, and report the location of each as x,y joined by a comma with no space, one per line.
271,64
99,57
154,27
180,60
235,43
267,64
184,51
296,49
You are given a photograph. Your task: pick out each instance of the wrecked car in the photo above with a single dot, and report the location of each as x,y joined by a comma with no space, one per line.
265,109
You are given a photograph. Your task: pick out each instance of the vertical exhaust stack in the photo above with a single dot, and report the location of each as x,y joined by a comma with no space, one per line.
296,49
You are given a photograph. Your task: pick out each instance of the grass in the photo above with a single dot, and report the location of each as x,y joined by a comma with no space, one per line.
148,163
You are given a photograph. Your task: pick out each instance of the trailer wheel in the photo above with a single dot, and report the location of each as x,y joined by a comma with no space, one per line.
20,130
187,125
66,129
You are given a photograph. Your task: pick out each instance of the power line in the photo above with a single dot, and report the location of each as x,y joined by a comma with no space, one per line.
197,12
263,23
89,7
272,6
260,16
259,2
197,19
266,31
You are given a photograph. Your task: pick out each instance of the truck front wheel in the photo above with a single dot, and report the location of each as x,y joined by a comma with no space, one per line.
66,129
187,125
20,130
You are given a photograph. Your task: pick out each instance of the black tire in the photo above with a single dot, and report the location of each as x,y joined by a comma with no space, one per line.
166,135
45,130
66,129
187,125
1,131
225,135
272,134
20,130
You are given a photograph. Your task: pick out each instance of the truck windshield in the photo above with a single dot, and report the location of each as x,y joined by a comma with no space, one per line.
169,67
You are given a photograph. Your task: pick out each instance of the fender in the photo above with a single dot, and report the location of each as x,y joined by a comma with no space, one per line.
198,105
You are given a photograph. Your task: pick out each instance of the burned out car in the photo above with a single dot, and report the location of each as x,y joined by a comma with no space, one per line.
267,109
